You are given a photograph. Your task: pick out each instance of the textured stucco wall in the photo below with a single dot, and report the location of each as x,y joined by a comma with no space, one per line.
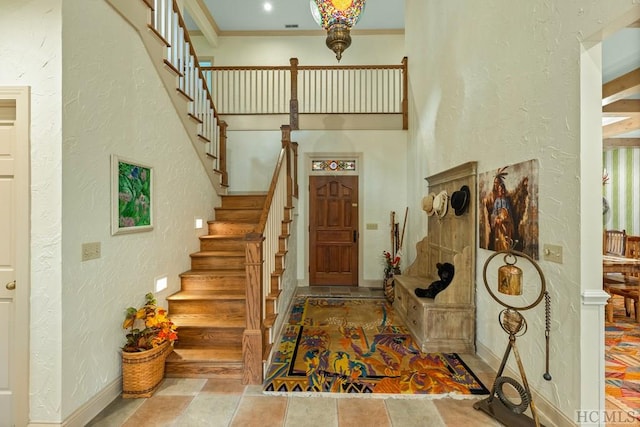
110,101
115,103
310,50
31,54
506,90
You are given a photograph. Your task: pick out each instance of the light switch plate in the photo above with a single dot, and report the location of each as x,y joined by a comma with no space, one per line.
90,251
372,226
552,253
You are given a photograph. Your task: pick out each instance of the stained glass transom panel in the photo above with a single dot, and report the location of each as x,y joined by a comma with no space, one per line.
333,165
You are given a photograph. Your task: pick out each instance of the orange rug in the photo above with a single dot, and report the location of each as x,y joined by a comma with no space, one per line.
344,345
622,360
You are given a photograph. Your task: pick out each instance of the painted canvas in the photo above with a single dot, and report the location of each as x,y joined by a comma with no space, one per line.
508,208
132,196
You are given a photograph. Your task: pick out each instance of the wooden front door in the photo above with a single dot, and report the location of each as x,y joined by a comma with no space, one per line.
333,230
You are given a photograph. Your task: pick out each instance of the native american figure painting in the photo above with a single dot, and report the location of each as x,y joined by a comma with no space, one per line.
509,208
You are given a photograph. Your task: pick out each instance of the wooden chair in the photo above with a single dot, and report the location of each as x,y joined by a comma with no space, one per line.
629,288
614,242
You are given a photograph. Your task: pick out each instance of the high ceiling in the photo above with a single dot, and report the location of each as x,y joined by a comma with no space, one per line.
295,15
620,52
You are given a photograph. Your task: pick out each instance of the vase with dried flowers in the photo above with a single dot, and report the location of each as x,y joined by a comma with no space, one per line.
150,337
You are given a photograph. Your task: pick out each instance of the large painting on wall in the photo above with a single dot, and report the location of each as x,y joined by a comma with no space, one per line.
131,196
509,208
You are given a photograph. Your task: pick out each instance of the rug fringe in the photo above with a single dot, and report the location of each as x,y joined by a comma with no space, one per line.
456,396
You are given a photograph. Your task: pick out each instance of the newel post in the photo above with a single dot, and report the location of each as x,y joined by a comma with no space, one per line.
293,103
252,337
222,153
405,94
286,145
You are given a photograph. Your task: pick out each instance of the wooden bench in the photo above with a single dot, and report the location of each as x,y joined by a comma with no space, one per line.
447,322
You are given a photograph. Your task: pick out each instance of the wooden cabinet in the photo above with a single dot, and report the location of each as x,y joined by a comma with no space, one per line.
445,323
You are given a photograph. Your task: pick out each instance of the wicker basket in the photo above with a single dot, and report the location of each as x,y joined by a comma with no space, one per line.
142,372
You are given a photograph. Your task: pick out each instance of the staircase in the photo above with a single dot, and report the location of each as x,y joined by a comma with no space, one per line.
209,310
226,309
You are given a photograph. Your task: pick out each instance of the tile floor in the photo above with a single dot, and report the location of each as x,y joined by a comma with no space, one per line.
188,402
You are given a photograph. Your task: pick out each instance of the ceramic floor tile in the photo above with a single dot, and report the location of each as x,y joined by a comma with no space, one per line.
211,410
358,412
223,385
260,411
312,412
159,411
116,413
413,412
180,386
460,412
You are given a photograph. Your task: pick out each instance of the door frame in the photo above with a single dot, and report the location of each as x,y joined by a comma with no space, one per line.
359,172
20,351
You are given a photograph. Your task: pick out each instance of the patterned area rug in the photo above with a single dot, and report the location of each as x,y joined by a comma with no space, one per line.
344,345
622,360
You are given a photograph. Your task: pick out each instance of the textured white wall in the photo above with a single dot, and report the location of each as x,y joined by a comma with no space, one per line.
110,101
31,54
115,103
506,90
310,50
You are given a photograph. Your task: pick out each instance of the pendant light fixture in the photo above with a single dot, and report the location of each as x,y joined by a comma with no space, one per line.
337,17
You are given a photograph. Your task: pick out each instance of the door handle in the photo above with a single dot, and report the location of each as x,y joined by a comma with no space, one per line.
11,285
355,236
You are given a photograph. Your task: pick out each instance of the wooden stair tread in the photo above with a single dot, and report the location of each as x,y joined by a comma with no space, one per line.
215,272
205,355
270,320
214,294
223,237
206,321
274,295
218,253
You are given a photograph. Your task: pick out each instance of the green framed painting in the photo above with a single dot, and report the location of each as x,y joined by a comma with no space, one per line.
131,196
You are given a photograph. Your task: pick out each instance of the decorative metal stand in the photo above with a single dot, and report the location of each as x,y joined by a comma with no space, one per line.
498,405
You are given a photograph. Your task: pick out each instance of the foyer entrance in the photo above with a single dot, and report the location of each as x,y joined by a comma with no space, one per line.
333,230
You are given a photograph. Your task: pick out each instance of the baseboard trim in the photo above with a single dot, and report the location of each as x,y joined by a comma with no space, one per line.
549,414
90,409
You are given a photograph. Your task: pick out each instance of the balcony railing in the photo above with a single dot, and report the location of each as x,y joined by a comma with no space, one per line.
296,89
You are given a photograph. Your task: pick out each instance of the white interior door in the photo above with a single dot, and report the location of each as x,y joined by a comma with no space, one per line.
14,254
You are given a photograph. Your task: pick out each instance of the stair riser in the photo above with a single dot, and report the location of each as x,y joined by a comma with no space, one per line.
239,215
231,309
248,201
208,283
229,229
226,370
222,245
209,337
220,263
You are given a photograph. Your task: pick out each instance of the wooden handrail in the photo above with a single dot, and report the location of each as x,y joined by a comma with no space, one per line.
259,229
261,250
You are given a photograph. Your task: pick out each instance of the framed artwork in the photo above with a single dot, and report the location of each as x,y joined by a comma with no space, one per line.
131,196
508,208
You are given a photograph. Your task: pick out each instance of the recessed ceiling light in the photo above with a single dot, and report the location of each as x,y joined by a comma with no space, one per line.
267,6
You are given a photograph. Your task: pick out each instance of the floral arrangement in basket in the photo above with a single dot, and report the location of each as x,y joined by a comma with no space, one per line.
148,326
391,263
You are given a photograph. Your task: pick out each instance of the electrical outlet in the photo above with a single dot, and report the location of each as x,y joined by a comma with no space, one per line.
90,251
552,253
